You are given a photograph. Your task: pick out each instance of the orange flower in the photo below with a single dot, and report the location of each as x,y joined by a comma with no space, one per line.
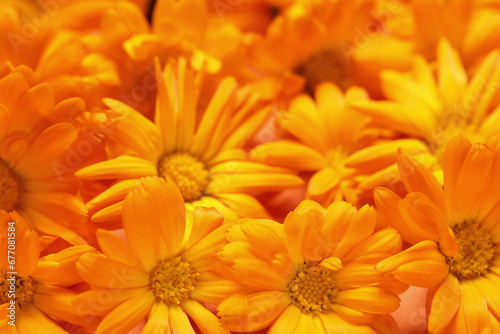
430,106
166,271
62,57
34,291
313,274
455,232
327,139
470,26
344,42
202,155
32,144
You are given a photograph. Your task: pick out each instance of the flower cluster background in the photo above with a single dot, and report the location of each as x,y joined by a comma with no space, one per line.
249,166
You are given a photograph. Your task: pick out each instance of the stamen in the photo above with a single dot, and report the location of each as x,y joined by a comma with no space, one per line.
327,65
312,289
189,174
10,188
24,289
172,280
476,250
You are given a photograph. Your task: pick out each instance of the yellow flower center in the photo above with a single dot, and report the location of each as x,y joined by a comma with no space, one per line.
475,251
189,174
172,280
19,288
452,124
312,289
326,65
10,188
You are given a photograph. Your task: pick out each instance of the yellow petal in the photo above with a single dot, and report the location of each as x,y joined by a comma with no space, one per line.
179,321
289,154
122,167
242,313
206,321
104,273
158,322
445,304
128,315
368,299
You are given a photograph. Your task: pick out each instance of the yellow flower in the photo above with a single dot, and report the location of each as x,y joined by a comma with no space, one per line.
432,109
470,26
38,291
198,151
313,274
166,271
343,42
456,235
32,144
328,136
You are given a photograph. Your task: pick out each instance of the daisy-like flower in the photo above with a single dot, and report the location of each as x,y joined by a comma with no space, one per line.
56,54
33,290
199,151
32,143
433,107
166,271
455,233
327,136
470,26
313,274
343,42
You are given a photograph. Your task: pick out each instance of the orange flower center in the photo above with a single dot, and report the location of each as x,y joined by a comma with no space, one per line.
189,174
475,251
10,188
172,280
312,289
19,288
326,65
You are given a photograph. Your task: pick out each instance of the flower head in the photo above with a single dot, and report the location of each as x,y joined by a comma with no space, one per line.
33,142
199,150
316,270
35,290
166,270
455,232
431,107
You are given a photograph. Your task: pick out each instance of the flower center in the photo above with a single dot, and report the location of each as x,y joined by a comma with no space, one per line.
452,124
312,289
10,188
20,288
326,65
172,280
475,251
189,174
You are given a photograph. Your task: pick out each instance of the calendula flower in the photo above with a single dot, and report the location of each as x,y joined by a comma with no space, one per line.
470,27
327,135
315,273
33,290
166,271
431,107
199,151
32,142
343,42
455,232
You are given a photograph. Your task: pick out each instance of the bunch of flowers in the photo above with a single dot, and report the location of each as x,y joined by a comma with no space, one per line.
249,166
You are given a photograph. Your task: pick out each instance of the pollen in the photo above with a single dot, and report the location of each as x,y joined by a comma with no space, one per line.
475,251
326,65
313,289
189,174
173,280
10,188
14,287
451,124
